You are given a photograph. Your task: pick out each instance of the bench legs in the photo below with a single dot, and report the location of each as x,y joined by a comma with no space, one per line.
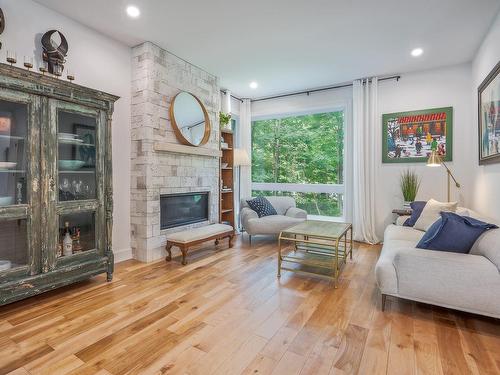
184,251
185,247
169,252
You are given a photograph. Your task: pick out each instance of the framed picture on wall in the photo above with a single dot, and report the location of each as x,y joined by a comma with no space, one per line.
489,117
410,137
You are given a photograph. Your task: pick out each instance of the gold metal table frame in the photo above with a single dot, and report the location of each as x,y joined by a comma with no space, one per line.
317,245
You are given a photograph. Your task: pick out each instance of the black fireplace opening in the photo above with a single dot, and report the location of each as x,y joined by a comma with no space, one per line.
183,209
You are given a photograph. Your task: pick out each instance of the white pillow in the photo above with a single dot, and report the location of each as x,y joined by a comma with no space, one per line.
431,213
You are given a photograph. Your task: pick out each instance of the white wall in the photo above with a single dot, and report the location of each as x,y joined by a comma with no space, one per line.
428,89
487,178
98,62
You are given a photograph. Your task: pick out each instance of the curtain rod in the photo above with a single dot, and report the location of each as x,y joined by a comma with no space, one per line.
307,92
232,96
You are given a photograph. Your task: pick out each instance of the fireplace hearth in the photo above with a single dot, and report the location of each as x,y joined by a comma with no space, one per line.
183,209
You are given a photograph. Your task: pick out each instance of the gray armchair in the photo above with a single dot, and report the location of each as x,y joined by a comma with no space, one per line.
288,215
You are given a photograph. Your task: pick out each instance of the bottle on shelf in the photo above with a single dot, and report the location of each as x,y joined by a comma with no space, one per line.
67,241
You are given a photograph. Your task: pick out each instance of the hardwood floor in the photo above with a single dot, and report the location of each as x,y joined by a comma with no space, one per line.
226,313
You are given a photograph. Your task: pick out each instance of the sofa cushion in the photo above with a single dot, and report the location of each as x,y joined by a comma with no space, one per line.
262,206
431,211
453,233
397,232
199,233
271,224
417,208
488,245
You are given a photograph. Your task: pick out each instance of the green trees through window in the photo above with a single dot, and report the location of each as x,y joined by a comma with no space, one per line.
302,150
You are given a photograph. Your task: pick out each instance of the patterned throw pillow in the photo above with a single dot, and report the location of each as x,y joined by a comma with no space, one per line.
262,206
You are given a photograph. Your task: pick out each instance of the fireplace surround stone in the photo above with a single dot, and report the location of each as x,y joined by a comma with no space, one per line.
157,76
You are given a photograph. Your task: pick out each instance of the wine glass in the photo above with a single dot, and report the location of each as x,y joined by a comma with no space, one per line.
78,188
64,185
28,62
11,57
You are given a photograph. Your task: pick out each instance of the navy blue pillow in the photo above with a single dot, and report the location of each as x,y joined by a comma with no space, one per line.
453,233
262,206
417,208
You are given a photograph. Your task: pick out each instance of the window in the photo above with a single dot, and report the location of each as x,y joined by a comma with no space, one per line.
301,156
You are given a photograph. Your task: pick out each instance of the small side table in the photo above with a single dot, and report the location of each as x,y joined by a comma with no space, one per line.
402,211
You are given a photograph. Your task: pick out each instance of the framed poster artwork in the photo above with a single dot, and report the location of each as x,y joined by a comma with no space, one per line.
489,117
410,137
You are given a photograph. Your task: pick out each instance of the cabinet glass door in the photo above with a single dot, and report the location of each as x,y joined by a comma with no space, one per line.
19,185
76,139
76,171
13,138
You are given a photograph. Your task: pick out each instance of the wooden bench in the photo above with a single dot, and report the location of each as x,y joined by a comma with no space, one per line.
188,238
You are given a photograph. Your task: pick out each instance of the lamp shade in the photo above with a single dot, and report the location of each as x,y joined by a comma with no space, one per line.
241,157
434,160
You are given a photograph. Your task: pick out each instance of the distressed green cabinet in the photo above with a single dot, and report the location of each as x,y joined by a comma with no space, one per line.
55,177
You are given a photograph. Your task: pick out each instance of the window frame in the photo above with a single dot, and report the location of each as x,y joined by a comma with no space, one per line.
344,188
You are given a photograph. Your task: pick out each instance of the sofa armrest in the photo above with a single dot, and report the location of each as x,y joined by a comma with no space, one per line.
246,215
444,278
297,213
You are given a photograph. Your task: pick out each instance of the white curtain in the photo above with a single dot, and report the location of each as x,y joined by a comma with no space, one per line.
365,128
246,143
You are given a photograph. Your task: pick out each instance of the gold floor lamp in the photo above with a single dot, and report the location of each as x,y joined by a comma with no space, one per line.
436,161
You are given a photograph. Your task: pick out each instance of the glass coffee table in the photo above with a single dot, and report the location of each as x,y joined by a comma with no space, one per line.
318,248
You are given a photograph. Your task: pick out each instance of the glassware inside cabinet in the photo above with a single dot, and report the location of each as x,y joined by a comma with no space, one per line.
76,156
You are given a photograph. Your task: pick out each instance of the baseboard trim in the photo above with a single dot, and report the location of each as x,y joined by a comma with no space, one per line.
122,254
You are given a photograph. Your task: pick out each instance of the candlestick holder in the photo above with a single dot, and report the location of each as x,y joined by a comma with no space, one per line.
11,57
28,62
43,68
70,76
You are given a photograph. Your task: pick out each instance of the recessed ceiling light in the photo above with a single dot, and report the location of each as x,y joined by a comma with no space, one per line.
133,11
253,85
417,52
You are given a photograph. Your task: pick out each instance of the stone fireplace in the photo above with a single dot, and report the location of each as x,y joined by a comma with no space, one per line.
156,172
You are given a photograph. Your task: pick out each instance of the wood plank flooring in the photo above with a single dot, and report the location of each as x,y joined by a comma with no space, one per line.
226,313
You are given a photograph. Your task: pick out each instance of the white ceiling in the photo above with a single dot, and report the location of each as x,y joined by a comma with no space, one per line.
289,45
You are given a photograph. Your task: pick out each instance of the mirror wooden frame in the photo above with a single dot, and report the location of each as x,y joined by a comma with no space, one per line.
177,131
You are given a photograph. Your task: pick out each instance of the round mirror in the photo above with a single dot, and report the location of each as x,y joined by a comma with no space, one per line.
189,119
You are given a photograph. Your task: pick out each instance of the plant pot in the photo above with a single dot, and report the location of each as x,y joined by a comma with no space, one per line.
407,204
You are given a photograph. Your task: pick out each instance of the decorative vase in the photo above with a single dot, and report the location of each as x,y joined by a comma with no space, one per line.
407,204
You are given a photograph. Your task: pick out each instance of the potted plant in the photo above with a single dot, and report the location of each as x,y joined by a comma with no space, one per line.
224,119
410,183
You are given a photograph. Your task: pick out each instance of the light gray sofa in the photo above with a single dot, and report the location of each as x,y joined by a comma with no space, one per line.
467,282
288,215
